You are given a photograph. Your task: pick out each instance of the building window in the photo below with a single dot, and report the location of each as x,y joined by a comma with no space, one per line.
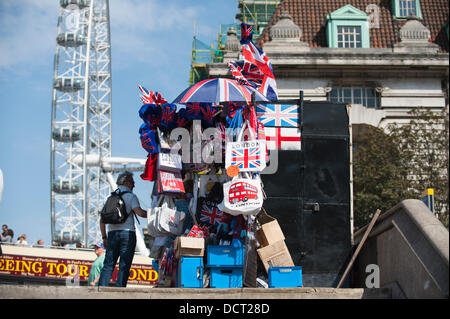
349,37
366,96
348,27
406,8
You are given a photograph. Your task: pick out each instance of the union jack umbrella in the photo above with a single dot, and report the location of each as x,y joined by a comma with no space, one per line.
218,90
283,138
278,115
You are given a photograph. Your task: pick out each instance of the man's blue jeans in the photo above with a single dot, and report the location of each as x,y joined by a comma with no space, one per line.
120,243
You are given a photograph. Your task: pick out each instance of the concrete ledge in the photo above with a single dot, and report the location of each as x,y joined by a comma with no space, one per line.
62,292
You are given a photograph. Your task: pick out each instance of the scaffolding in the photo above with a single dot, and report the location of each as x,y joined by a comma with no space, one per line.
254,12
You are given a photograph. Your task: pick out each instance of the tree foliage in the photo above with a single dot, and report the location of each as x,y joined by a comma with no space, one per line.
389,168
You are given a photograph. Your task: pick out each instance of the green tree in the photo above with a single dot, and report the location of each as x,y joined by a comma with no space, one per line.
389,168
424,142
380,178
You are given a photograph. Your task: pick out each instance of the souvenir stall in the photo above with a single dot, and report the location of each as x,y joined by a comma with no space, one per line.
206,151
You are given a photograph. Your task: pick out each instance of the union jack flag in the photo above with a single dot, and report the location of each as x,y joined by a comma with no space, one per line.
255,69
246,158
151,98
280,115
212,215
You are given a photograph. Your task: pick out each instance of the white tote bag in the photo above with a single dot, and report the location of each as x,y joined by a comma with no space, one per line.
242,195
249,156
171,220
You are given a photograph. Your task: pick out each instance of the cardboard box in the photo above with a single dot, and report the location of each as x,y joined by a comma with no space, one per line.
189,247
275,255
269,231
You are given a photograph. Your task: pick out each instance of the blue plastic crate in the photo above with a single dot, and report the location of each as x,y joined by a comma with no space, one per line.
225,256
226,277
285,277
190,272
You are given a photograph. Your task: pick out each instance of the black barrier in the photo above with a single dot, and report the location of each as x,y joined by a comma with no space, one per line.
310,193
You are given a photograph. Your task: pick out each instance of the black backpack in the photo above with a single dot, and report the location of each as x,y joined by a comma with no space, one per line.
114,211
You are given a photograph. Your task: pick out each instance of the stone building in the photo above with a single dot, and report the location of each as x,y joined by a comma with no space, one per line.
383,57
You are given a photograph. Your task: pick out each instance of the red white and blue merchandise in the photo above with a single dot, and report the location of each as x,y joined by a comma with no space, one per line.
255,69
150,97
247,158
218,90
283,138
211,214
283,115
148,139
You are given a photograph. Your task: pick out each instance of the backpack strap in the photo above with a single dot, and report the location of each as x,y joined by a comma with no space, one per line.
120,195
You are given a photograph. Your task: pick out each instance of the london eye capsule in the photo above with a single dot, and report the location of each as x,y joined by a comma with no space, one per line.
80,3
70,39
66,134
66,187
68,84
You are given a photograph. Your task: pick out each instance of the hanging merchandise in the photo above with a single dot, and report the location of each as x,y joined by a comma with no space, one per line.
242,195
151,114
194,110
148,139
210,214
164,219
208,181
169,162
248,156
150,168
234,124
208,113
169,116
170,182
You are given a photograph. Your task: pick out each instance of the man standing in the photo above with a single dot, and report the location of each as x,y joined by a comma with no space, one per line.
97,265
121,238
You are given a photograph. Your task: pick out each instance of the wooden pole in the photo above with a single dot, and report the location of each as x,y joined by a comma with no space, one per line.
361,243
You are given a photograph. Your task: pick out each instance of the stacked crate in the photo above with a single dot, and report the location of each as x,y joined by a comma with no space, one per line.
189,253
226,265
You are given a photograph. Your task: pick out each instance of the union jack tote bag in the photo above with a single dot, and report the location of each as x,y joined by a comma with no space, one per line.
248,156
242,195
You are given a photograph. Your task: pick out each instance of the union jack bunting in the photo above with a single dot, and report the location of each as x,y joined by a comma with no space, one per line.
278,115
247,158
255,69
149,97
283,138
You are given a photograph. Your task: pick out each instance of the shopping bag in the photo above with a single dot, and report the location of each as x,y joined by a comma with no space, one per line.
169,162
248,156
242,195
170,219
170,182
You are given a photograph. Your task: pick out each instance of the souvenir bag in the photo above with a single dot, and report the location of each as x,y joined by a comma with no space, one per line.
242,195
165,219
169,162
248,156
170,182
210,214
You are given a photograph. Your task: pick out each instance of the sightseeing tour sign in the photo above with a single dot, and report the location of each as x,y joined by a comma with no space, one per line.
34,266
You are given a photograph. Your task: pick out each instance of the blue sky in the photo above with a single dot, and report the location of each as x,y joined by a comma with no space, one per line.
151,42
